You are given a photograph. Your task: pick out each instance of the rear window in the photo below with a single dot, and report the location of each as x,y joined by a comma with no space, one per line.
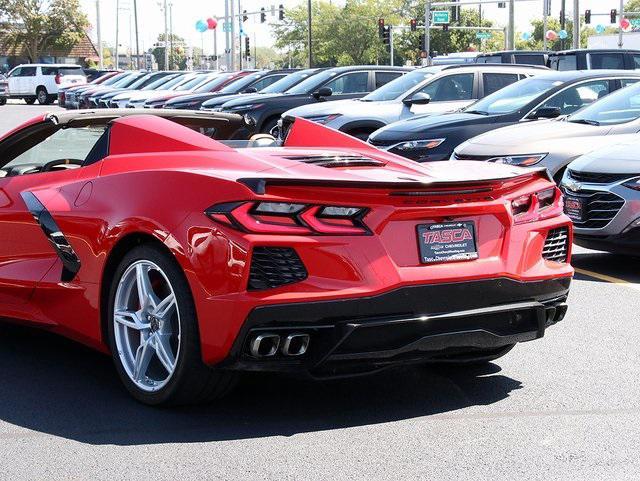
606,61
565,62
528,59
489,59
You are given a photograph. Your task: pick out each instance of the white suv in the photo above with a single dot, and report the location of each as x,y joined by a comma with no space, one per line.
39,81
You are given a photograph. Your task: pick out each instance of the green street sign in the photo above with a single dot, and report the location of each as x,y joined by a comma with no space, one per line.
483,35
441,16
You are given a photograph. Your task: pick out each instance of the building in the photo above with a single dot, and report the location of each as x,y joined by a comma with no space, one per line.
82,53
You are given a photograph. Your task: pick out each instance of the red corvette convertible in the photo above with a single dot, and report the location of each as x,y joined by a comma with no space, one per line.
190,258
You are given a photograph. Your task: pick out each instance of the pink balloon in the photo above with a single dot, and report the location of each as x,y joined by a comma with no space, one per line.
212,23
551,35
625,24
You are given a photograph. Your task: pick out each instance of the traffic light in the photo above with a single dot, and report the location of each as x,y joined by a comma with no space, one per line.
381,27
263,15
614,15
247,47
386,35
413,24
422,45
445,27
587,17
280,12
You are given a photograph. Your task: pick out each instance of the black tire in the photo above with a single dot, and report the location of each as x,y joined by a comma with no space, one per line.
43,96
475,358
192,381
361,134
29,100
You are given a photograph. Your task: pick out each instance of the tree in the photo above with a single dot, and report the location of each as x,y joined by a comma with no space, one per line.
43,25
177,57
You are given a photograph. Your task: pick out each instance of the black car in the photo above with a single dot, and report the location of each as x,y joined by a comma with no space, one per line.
595,59
282,85
332,84
548,95
249,84
523,57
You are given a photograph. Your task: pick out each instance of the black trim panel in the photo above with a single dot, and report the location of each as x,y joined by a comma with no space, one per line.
70,260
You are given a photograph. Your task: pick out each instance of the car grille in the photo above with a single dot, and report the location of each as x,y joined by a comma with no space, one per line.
598,178
274,267
458,156
556,245
600,208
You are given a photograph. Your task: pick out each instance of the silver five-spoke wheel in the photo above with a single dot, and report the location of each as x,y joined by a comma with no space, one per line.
146,322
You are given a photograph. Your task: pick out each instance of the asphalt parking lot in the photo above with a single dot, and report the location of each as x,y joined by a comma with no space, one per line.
564,407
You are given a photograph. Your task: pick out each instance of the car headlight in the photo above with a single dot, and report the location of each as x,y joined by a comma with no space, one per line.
419,144
520,160
323,119
633,183
238,108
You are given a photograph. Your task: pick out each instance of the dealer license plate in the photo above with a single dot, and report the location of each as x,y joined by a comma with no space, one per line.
447,241
574,207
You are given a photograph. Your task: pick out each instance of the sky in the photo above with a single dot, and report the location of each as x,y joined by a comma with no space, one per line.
187,12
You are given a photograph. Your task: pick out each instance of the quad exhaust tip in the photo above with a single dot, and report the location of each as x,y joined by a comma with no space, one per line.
268,345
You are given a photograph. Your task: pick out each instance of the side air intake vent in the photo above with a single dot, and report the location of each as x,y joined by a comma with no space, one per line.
555,246
331,161
274,267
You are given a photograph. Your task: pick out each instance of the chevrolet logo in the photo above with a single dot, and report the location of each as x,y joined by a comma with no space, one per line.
572,185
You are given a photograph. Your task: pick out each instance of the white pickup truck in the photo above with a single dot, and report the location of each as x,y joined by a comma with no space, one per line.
41,82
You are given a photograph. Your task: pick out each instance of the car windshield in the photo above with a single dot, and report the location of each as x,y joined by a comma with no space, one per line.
309,85
143,80
616,108
399,86
116,78
128,80
287,82
241,83
512,97
164,82
213,83
189,83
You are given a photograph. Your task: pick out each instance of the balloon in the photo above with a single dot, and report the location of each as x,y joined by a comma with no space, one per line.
201,26
563,34
625,24
526,36
551,35
600,28
212,23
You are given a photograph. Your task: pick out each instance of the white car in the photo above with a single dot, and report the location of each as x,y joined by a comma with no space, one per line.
41,81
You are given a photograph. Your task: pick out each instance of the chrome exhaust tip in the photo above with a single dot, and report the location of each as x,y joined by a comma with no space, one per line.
264,345
296,344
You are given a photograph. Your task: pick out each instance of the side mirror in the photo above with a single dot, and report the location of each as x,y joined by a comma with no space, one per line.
546,113
323,92
250,90
418,99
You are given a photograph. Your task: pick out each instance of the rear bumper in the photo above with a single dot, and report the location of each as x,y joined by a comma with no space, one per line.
410,324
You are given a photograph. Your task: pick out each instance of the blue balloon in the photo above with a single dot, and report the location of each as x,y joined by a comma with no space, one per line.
563,34
600,28
201,26
525,36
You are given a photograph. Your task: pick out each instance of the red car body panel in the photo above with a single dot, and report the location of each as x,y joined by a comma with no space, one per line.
160,185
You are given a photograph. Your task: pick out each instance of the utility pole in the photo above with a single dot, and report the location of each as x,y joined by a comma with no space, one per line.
99,33
170,35
511,41
240,31
232,37
620,41
166,36
576,24
117,64
391,45
135,20
546,7
226,35
427,15
563,18
309,33
215,47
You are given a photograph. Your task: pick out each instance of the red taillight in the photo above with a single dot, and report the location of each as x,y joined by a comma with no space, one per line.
537,206
58,78
290,218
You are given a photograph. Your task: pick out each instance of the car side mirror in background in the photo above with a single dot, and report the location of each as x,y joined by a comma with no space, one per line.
250,90
545,113
323,92
418,99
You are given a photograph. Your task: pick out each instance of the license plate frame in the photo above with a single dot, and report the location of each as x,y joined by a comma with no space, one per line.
452,241
574,207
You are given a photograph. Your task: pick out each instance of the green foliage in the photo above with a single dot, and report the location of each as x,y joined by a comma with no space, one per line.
41,25
177,56
537,43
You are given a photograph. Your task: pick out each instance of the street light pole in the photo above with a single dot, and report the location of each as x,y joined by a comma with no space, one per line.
170,35
135,20
99,33
620,41
511,42
309,33
576,24
166,36
427,14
